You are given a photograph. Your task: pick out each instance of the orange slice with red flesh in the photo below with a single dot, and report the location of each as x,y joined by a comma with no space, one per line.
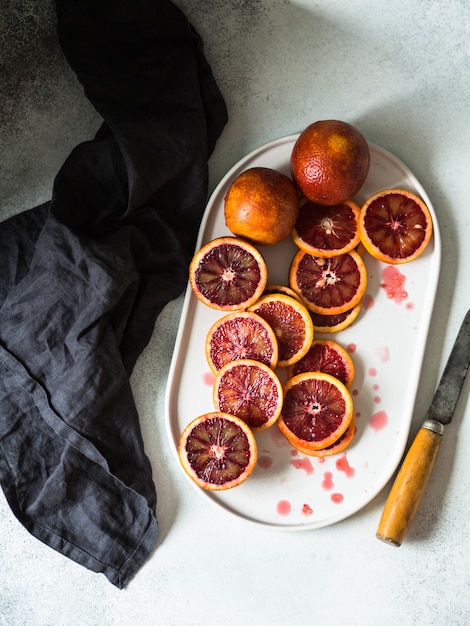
228,274
251,391
291,323
317,410
335,323
395,226
242,335
329,286
326,231
328,356
338,446
217,451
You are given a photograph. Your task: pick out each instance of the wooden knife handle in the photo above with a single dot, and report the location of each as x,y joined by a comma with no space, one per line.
410,484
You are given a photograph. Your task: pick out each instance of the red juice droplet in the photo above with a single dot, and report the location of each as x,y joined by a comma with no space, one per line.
409,306
337,498
306,509
327,483
379,420
355,392
265,462
283,507
342,465
393,283
377,399
375,387
351,348
383,353
208,378
372,371
303,464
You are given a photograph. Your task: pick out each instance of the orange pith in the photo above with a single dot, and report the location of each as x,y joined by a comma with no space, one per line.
329,286
327,231
395,226
218,451
338,446
335,323
330,161
317,410
261,206
228,274
291,323
241,335
251,391
328,356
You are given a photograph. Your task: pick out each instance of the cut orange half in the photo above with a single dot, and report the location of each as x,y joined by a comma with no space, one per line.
228,274
395,226
329,286
328,356
335,323
242,335
291,323
317,410
327,231
251,391
218,451
338,446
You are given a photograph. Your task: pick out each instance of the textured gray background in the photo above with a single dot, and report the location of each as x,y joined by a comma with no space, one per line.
399,71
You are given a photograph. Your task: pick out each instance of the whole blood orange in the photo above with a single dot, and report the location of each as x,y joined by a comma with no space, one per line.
218,451
261,206
330,161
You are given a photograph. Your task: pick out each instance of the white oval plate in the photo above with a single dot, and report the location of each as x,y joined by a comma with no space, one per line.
287,490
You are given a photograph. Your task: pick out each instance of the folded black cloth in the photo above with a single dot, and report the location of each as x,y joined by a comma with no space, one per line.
85,276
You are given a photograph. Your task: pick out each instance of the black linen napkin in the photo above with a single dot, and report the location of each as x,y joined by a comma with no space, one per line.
85,276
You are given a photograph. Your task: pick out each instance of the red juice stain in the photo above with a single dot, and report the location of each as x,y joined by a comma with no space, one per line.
375,387
265,462
358,414
351,348
208,378
368,302
372,371
409,306
379,420
342,465
337,498
294,453
384,354
306,509
393,282
377,399
283,507
321,459
327,483
303,464
355,392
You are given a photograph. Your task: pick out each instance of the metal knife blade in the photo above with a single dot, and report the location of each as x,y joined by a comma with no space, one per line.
451,383
410,484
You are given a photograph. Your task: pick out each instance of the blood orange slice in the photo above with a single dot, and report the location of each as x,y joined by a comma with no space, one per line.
251,391
338,446
291,323
317,410
326,231
242,335
335,323
228,274
329,286
395,226
218,451
328,356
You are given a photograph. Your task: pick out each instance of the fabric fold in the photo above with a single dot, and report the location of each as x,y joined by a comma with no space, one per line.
87,274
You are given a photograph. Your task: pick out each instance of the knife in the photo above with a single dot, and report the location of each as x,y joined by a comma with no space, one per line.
410,484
